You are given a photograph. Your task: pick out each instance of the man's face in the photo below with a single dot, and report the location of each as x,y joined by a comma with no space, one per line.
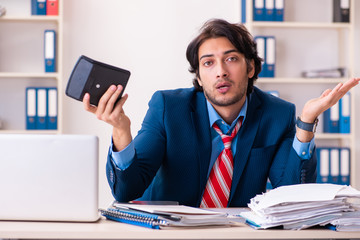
223,72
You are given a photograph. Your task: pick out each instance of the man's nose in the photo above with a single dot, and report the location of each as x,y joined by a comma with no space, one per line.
222,71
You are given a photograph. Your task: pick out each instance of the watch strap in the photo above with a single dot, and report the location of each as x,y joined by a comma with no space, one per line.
310,127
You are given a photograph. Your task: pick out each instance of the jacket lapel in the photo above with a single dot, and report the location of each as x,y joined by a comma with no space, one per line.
246,138
201,124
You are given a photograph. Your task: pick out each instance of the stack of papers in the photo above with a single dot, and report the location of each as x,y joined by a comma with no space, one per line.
305,205
160,216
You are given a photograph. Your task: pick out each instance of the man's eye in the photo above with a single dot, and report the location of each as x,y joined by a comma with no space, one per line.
207,63
231,59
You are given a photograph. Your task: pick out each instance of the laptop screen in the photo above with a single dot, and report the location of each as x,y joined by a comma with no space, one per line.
49,177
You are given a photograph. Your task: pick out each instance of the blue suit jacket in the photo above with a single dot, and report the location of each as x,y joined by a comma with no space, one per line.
173,151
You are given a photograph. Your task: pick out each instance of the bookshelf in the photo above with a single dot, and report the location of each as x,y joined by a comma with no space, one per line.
309,23
22,63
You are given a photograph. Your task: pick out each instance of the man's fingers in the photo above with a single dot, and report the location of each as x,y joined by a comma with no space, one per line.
86,101
112,101
350,84
103,102
121,102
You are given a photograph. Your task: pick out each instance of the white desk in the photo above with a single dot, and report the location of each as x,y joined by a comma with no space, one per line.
105,229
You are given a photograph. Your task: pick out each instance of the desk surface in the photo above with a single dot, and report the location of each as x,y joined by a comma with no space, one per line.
105,229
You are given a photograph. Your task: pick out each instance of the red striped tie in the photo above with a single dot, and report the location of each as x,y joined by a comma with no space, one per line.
217,190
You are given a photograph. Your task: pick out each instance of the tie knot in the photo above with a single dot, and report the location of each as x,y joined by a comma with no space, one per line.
228,138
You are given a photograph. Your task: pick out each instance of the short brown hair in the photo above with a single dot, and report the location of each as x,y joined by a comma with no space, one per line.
237,34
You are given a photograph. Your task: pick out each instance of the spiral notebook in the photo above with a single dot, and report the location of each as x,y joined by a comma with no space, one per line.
161,216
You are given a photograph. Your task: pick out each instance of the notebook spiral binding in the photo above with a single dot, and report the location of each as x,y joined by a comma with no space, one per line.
139,219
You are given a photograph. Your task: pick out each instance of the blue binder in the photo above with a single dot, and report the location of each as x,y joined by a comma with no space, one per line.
279,10
259,10
50,50
30,108
331,119
38,7
269,10
243,11
52,108
323,168
41,116
260,43
335,165
270,55
345,166
345,112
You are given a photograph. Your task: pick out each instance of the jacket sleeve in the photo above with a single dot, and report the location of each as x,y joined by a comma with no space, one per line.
287,167
130,184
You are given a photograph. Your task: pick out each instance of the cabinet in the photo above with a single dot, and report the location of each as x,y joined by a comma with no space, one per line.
307,39
22,62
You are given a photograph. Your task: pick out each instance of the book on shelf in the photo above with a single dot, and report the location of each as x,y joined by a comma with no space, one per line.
50,50
267,51
45,7
341,11
52,7
264,10
339,72
38,7
333,165
159,216
301,206
337,118
41,108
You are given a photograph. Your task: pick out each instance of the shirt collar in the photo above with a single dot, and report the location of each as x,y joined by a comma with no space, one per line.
215,117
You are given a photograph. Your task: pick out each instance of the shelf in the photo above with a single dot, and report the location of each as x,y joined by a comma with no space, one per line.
318,25
30,18
341,35
334,136
301,80
28,75
29,132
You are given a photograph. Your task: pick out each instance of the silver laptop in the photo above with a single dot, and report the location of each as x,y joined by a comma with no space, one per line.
48,177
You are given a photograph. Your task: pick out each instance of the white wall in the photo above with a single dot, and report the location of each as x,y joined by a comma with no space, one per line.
149,38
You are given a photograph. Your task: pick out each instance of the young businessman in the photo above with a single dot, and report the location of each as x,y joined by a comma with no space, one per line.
179,152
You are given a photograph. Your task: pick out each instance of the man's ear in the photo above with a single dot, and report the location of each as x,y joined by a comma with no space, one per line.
199,81
198,78
251,69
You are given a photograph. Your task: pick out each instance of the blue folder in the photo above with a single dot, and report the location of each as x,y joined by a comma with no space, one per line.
345,113
259,10
270,56
30,103
331,119
41,114
345,166
52,108
50,50
38,7
260,42
323,165
269,10
279,10
243,11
